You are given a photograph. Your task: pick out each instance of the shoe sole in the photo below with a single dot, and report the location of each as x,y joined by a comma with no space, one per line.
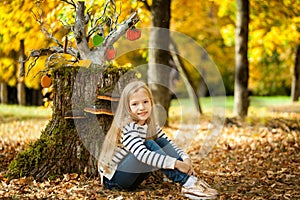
190,196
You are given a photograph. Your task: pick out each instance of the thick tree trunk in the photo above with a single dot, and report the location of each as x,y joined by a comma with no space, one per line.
241,97
158,73
72,139
81,110
296,77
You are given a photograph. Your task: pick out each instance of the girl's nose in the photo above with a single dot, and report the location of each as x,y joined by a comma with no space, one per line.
141,106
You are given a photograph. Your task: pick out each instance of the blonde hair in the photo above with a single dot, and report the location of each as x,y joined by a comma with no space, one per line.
122,117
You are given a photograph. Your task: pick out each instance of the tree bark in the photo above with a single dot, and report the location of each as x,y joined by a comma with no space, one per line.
21,84
3,93
71,141
184,72
296,77
241,96
158,75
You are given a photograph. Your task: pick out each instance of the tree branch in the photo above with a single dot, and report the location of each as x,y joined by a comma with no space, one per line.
44,30
97,55
70,2
99,27
83,51
146,4
53,50
114,35
80,30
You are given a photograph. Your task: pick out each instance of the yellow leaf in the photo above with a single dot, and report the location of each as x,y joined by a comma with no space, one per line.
83,63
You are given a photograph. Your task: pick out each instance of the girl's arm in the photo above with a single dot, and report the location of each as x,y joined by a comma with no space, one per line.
180,152
186,165
133,142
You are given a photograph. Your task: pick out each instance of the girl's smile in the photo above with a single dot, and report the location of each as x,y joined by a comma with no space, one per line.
140,105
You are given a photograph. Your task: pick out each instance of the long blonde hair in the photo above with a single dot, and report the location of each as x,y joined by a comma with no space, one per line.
122,117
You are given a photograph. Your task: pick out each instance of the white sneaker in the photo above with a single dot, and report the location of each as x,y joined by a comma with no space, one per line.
201,190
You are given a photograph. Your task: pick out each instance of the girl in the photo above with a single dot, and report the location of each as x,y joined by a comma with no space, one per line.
134,146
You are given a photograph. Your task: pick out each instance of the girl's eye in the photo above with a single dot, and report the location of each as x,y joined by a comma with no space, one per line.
146,101
133,104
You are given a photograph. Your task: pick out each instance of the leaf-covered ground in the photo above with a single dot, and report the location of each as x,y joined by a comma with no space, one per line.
258,158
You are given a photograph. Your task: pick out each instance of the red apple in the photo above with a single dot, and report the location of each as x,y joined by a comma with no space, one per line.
133,34
110,53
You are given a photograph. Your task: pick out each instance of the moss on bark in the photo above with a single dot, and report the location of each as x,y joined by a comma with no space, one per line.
54,154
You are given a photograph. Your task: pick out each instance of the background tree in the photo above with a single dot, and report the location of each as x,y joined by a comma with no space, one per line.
21,85
19,29
241,94
296,77
160,56
207,33
159,41
273,38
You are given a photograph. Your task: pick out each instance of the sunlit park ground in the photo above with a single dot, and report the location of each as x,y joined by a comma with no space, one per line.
255,158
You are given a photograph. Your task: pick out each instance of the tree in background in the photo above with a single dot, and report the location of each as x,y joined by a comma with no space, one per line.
159,41
296,77
19,31
273,39
200,21
241,94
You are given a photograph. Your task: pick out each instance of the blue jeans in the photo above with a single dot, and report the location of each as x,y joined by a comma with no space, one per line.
132,172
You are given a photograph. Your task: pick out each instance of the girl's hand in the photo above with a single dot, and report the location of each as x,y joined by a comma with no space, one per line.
189,162
184,167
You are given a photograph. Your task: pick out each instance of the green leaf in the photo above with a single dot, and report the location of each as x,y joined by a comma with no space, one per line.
97,40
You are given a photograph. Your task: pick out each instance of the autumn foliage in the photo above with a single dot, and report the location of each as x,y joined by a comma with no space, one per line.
273,36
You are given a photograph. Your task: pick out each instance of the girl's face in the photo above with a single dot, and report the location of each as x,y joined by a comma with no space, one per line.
140,105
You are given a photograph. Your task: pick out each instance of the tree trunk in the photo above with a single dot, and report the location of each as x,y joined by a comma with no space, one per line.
21,94
158,73
184,72
36,97
296,77
82,111
72,140
241,97
3,93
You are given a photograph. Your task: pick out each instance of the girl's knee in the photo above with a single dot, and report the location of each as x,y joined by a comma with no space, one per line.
162,142
151,145
149,142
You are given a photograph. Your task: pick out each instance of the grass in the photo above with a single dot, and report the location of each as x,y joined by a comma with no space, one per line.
207,103
262,101
184,109
23,112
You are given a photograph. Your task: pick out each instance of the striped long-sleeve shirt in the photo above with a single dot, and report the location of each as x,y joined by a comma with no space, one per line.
133,138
